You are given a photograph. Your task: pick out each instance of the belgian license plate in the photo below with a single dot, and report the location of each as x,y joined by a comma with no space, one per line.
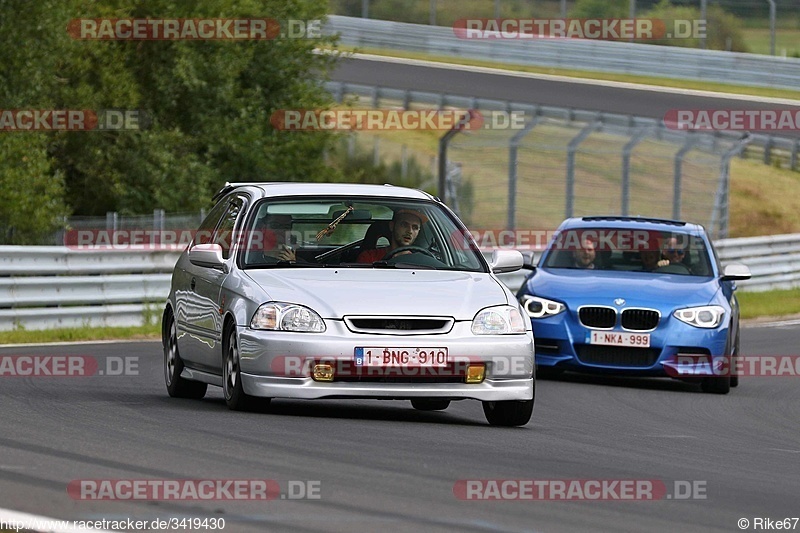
616,338
401,357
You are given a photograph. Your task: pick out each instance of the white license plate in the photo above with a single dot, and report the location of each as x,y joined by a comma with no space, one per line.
616,338
401,357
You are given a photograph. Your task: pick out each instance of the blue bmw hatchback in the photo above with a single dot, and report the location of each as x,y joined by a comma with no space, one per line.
635,296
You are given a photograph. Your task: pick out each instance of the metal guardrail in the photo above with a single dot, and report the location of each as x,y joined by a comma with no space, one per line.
44,287
598,56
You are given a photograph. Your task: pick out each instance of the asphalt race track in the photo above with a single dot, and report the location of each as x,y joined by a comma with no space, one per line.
526,89
382,466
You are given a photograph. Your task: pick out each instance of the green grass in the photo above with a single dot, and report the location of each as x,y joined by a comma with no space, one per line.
151,331
786,40
769,303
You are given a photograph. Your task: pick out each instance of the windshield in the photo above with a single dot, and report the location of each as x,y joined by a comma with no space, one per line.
615,249
356,233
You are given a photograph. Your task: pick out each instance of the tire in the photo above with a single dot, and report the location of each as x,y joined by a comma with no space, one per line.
425,404
717,384
177,387
235,397
548,372
509,413
735,376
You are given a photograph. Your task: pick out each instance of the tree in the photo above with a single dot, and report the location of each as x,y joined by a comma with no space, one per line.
208,103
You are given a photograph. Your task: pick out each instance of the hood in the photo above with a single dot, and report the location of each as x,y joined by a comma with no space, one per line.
587,287
338,292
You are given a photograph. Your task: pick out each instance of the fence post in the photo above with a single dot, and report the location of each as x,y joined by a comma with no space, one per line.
512,172
691,140
571,149
721,204
364,9
636,137
444,142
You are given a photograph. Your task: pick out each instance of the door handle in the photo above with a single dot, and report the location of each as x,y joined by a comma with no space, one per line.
193,283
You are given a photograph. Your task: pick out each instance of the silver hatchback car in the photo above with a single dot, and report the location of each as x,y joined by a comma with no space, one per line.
300,290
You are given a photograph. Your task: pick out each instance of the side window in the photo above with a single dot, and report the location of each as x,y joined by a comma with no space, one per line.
206,229
224,234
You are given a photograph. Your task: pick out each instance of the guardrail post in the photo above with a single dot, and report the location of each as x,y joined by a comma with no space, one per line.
768,150
433,13
691,140
572,147
793,157
364,9
512,171
111,220
637,137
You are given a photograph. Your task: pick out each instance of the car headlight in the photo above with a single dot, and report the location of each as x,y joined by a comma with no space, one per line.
278,316
707,316
537,307
500,320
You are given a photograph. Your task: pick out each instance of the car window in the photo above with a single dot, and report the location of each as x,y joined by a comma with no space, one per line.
205,232
357,232
225,230
632,250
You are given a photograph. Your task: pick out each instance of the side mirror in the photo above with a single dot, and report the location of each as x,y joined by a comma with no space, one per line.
506,261
529,260
207,255
735,271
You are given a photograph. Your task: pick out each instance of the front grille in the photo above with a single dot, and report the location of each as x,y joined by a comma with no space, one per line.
598,317
640,319
617,355
399,325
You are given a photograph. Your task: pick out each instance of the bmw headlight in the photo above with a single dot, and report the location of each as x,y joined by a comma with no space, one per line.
500,320
537,307
277,316
707,316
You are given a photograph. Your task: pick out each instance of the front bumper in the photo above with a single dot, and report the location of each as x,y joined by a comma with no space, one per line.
561,342
277,365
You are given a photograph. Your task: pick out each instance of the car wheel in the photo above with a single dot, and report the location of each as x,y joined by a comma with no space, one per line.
177,386
734,374
717,384
548,372
509,413
232,388
424,404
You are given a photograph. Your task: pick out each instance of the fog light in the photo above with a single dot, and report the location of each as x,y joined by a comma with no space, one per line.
475,373
322,372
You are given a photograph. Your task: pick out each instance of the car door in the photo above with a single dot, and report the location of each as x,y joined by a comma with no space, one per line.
202,326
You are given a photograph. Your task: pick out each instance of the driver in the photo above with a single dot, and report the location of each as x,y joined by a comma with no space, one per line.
404,228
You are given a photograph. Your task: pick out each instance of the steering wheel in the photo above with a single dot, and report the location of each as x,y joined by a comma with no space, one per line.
412,249
674,268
